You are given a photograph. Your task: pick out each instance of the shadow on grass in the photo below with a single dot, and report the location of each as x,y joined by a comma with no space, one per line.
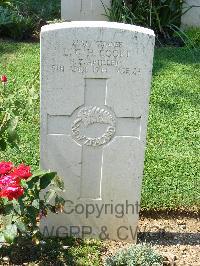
51,251
8,46
186,56
192,97
168,107
169,238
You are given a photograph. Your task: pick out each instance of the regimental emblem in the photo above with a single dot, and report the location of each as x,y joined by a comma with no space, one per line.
87,116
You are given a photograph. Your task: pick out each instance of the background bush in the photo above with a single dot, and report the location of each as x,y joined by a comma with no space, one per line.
20,19
15,25
163,16
41,9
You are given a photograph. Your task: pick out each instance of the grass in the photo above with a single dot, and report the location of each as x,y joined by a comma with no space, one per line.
172,168
20,62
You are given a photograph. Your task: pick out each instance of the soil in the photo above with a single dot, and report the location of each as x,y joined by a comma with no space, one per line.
176,238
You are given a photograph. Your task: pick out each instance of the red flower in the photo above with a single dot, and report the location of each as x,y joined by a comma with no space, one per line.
4,79
23,171
9,180
12,192
5,167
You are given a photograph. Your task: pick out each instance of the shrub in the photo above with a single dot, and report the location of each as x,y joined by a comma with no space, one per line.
163,16
21,206
5,3
15,25
20,19
8,119
39,9
136,255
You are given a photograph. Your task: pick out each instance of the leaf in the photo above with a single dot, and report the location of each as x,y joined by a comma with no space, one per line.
2,144
38,173
32,212
21,203
12,136
59,200
4,122
14,145
36,203
58,182
24,183
6,219
10,233
16,207
46,179
59,204
5,201
21,226
33,181
2,240
8,209
49,195
13,123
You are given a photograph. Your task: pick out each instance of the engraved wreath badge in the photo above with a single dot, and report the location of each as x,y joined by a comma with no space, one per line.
88,116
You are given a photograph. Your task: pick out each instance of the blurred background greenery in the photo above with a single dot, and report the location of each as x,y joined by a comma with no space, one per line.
22,19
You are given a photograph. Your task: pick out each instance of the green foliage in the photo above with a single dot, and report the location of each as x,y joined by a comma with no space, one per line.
53,251
20,217
8,132
193,37
163,16
22,97
40,9
5,3
8,120
13,108
15,25
20,19
137,255
136,12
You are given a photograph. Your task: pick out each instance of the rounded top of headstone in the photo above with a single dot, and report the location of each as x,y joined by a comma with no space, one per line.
97,24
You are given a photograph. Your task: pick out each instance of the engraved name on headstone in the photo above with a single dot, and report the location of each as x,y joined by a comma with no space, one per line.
95,83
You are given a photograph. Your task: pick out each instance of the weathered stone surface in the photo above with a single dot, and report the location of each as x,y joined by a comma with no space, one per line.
95,85
192,17
84,10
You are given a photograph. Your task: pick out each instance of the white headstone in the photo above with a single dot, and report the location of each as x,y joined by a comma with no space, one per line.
84,10
95,86
192,17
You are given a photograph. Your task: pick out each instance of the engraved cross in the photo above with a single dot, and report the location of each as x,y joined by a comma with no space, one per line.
93,126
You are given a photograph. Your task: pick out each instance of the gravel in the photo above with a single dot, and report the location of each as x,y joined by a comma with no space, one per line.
176,238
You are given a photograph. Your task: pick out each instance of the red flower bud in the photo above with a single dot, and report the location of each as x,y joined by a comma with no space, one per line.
4,79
